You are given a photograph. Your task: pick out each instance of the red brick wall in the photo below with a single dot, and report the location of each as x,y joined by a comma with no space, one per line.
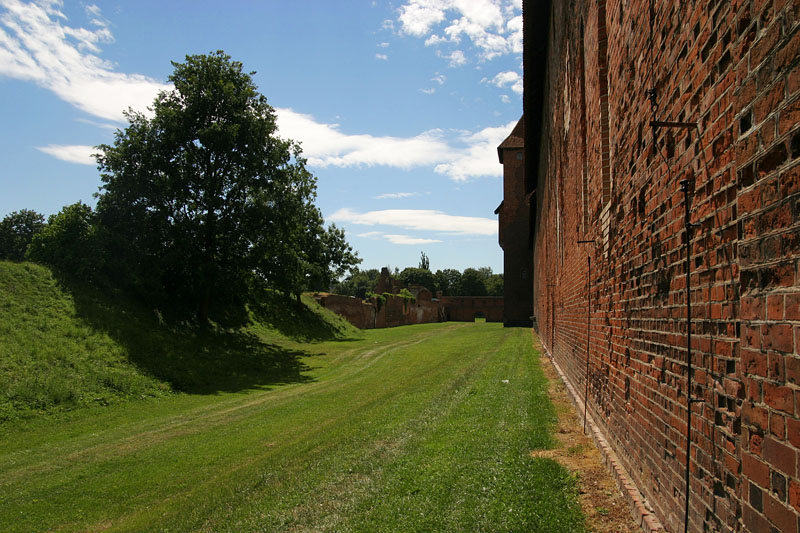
514,236
396,311
731,67
466,308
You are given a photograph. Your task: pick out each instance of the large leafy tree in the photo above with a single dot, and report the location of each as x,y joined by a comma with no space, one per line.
204,198
472,282
447,281
418,276
69,242
16,232
358,283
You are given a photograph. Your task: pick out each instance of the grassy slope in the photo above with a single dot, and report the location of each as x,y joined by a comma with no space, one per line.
404,429
67,347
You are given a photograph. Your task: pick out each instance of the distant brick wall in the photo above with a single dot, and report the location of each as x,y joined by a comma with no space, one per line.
732,67
361,313
466,308
396,311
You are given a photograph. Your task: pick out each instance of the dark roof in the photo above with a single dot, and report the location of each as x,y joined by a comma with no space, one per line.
499,207
515,140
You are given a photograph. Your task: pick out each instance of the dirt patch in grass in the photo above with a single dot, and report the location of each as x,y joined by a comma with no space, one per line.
603,504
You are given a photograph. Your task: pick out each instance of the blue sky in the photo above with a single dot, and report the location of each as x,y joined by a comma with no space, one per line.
399,105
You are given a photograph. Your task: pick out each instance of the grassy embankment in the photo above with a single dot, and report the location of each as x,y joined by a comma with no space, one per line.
404,429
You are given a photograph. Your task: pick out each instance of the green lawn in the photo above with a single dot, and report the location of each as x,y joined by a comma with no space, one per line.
403,429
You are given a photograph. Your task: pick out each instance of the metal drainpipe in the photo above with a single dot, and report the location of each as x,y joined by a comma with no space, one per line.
588,329
655,124
689,400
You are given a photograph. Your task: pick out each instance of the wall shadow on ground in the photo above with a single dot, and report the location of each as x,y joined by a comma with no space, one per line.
188,358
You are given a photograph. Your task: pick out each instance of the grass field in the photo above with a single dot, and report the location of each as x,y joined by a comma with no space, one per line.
420,428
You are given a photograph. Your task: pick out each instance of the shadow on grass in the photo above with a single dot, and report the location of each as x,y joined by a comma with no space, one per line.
190,359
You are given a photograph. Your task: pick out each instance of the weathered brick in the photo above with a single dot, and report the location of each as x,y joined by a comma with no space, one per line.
777,337
789,116
775,307
794,494
755,470
777,513
779,397
779,456
792,366
792,306
793,431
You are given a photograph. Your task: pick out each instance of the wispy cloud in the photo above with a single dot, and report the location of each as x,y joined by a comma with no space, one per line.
395,195
325,145
407,239
38,46
382,57
71,153
395,238
479,157
419,220
458,155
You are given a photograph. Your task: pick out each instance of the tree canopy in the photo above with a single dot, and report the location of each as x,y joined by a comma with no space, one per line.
205,199
16,232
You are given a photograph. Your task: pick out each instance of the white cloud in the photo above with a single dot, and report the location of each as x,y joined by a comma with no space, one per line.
428,91
461,157
418,16
419,220
505,99
395,195
434,40
324,145
493,26
507,79
35,46
515,39
383,45
384,57
455,58
71,153
406,239
370,234
479,158
439,78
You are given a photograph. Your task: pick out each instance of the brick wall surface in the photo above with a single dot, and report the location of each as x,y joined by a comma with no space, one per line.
467,308
514,237
397,311
604,174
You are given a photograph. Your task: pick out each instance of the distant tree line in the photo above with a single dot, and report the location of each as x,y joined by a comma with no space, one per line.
471,282
201,206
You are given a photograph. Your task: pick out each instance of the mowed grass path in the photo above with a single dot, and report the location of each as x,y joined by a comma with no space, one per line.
407,429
